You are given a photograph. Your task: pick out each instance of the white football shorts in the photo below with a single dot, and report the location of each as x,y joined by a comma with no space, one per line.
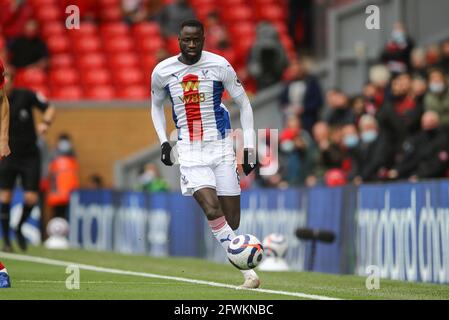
208,164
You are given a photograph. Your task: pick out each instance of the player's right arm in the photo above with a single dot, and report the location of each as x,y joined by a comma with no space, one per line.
4,124
158,95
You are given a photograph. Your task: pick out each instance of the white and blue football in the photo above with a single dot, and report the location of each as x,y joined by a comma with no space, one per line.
245,252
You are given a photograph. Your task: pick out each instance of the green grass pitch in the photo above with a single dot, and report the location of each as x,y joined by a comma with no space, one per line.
32,280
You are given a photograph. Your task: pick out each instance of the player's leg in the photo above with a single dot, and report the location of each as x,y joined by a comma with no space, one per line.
228,190
30,175
8,174
231,209
5,213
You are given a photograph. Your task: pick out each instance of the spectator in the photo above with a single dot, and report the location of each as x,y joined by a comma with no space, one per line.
371,99
63,177
302,96
424,155
373,152
267,59
379,77
172,15
338,111
438,97
29,50
400,115
150,180
398,50
295,144
350,147
444,63
327,153
419,89
419,63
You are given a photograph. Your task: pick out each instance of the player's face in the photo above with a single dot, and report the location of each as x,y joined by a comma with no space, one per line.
191,41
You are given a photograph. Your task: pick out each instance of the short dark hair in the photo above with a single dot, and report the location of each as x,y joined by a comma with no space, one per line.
192,23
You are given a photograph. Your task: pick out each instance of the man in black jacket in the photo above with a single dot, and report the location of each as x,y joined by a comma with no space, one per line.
374,150
425,155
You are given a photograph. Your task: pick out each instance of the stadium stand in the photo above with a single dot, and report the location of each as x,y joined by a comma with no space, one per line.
106,44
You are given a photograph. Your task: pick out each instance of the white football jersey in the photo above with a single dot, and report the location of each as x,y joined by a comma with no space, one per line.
195,92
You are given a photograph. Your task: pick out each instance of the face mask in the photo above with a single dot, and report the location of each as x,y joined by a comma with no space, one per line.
369,136
399,37
351,141
437,87
64,146
147,177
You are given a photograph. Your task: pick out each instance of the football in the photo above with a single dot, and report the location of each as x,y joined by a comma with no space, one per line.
275,245
245,252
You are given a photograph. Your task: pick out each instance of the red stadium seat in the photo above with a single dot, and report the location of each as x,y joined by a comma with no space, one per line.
95,77
150,44
172,45
109,3
112,29
87,45
58,44
245,29
62,60
148,63
67,93
128,76
137,92
237,14
86,29
91,61
146,29
123,60
52,28
271,13
2,42
30,76
49,12
64,77
118,44
101,93
37,3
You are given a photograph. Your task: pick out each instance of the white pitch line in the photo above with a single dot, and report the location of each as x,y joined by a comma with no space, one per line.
53,262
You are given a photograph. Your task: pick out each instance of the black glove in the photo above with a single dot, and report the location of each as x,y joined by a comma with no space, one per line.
165,154
249,160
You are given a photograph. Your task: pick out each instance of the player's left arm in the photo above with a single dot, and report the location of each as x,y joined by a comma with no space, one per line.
4,124
49,113
235,89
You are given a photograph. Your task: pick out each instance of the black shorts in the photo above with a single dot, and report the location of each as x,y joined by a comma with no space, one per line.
27,167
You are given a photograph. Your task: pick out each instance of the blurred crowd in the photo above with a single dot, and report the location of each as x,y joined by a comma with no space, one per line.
395,129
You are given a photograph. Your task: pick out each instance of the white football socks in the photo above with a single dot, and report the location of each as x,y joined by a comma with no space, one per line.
224,235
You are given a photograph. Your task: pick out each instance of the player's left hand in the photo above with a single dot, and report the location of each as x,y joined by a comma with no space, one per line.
4,150
249,160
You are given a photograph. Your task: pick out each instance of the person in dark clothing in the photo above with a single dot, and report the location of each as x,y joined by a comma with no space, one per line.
399,117
425,155
373,152
397,53
24,161
338,111
29,50
302,96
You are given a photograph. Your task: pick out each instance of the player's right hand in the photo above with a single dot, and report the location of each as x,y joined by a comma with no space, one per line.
165,154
